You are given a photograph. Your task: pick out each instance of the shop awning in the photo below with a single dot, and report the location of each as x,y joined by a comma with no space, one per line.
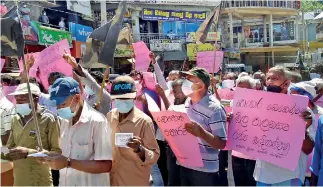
234,65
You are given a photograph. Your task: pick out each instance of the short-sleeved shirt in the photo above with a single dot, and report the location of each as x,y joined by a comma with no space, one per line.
7,111
127,168
88,139
27,172
210,114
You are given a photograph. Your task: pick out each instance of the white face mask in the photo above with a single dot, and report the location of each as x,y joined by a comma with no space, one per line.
228,83
187,87
169,85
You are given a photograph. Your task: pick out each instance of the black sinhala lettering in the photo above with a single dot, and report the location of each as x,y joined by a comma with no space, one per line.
277,146
292,109
249,103
180,131
241,119
266,124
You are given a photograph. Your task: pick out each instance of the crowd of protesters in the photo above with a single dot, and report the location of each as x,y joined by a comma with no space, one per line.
78,134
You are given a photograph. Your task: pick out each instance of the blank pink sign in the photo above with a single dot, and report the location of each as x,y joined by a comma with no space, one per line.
207,60
8,90
149,80
268,126
184,145
142,56
226,93
51,60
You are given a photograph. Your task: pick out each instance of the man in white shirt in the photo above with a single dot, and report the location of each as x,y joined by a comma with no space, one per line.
267,174
85,138
6,112
61,24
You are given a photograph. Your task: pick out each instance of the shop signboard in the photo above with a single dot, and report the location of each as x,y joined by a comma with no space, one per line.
30,30
211,36
79,32
171,15
192,49
165,45
49,36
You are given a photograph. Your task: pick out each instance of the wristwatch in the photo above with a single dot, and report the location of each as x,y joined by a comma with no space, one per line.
139,149
68,162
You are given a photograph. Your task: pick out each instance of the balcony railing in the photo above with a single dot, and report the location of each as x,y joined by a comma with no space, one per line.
292,4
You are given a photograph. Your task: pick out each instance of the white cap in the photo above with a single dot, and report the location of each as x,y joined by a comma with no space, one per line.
22,89
307,86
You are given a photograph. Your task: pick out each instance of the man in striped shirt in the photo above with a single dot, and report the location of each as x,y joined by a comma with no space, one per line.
208,124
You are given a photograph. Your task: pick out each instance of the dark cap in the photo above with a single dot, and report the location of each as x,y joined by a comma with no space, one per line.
123,87
63,88
200,73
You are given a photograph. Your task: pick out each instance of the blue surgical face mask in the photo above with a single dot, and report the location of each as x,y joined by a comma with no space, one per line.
124,105
23,109
88,90
66,112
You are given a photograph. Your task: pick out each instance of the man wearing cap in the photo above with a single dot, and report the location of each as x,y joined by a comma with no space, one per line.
85,138
23,140
208,124
131,165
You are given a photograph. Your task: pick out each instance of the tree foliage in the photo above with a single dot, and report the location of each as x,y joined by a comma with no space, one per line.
311,5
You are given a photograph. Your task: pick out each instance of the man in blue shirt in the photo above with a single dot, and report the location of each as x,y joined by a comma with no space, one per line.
317,162
208,125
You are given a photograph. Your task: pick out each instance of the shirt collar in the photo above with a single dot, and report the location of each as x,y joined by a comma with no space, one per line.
132,116
85,113
188,102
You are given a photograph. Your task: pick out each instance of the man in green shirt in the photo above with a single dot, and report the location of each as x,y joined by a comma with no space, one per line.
23,140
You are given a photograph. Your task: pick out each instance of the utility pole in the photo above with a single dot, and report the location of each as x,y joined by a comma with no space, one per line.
103,6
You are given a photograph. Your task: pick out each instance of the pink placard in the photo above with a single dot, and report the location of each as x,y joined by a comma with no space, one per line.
226,93
52,60
3,61
8,90
33,70
184,145
207,60
149,80
142,56
310,156
266,128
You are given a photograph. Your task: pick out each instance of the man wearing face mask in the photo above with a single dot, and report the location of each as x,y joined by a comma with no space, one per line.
208,125
23,140
131,166
267,174
85,138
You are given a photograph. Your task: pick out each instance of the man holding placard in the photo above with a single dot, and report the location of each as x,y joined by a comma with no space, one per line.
22,141
132,160
267,174
208,124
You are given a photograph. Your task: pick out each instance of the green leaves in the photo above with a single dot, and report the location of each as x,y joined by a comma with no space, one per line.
311,5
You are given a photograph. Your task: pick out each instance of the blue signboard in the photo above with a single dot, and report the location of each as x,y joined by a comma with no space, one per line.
80,32
170,15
